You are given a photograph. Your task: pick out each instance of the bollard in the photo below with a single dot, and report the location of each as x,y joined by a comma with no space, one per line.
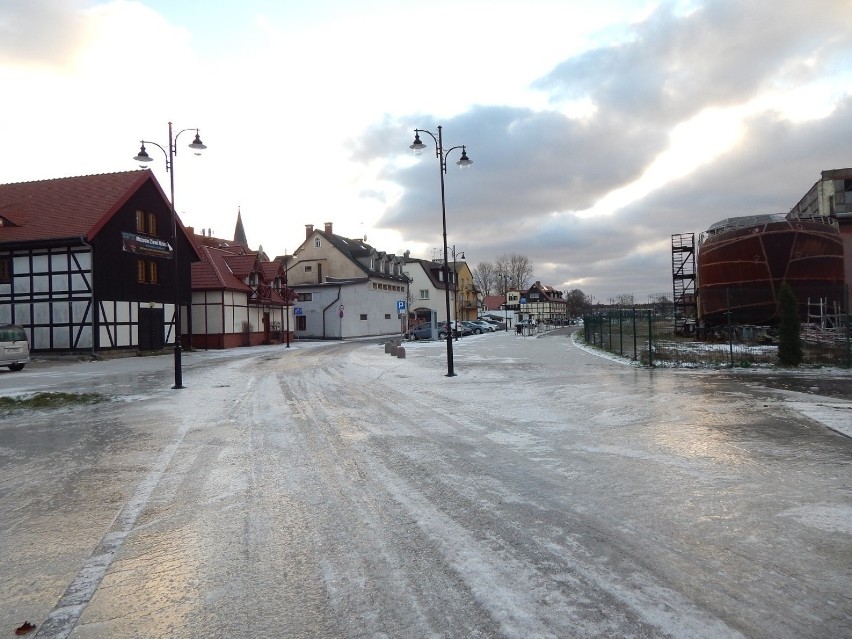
400,352
394,348
388,346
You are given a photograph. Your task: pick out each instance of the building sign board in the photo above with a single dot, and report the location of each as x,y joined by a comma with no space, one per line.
143,245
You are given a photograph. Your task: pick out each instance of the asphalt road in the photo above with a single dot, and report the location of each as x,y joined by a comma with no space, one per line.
335,491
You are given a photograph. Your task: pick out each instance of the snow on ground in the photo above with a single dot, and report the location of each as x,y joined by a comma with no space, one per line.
835,414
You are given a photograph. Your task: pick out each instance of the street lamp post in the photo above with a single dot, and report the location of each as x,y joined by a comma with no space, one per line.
287,300
456,288
505,303
463,162
197,146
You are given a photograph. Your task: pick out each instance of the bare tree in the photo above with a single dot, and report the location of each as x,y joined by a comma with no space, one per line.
577,302
518,269
485,278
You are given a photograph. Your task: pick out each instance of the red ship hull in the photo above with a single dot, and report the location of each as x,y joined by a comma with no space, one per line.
741,266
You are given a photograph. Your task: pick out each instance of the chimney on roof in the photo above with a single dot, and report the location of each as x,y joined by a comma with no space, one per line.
328,230
309,228
190,230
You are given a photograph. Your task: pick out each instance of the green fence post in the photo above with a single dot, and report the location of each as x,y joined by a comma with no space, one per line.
650,341
635,353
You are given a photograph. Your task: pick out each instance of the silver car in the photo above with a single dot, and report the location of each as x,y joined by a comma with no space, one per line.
14,347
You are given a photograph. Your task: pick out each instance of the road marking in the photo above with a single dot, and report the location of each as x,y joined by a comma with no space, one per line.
68,610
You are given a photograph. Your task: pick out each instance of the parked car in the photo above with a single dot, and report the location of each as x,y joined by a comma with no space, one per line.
14,347
443,330
498,325
475,328
487,327
459,330
463,328
423,331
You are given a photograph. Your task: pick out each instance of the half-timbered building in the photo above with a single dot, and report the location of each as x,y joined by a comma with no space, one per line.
90,264
239,298
543,303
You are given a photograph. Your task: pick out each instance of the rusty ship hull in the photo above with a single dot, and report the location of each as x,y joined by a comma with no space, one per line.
742,263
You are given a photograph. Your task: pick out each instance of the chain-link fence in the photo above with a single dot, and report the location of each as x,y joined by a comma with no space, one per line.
651,336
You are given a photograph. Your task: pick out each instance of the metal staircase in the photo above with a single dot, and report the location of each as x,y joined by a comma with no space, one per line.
683,282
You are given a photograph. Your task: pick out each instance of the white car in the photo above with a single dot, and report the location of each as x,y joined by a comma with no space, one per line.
14,347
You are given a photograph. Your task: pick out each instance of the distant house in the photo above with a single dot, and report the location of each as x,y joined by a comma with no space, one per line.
428,291
466,293
238,295
345,288
543,303
88,263
493,303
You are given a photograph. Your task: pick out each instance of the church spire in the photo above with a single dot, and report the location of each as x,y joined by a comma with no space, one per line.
239,231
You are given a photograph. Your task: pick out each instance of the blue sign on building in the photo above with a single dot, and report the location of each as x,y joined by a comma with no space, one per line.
297,310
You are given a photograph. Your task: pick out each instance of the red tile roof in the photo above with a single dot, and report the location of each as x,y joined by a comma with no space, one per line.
271,270
493,302
213,272
66,207
242,265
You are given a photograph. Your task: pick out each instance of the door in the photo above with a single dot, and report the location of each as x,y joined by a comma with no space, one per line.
151,329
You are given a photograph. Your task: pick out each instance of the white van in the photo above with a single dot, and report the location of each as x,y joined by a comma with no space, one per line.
14,347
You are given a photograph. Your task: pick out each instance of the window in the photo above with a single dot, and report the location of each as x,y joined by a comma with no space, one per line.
424,294
147,272
146,222
317,242
305,297
5,270
363,316
301,323
308,268
387,315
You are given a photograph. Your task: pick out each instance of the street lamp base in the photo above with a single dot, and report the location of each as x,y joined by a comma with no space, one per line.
450,375
178,367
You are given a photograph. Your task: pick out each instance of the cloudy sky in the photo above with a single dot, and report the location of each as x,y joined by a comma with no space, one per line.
598,128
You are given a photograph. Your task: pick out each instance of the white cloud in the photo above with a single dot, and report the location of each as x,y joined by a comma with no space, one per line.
644,116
